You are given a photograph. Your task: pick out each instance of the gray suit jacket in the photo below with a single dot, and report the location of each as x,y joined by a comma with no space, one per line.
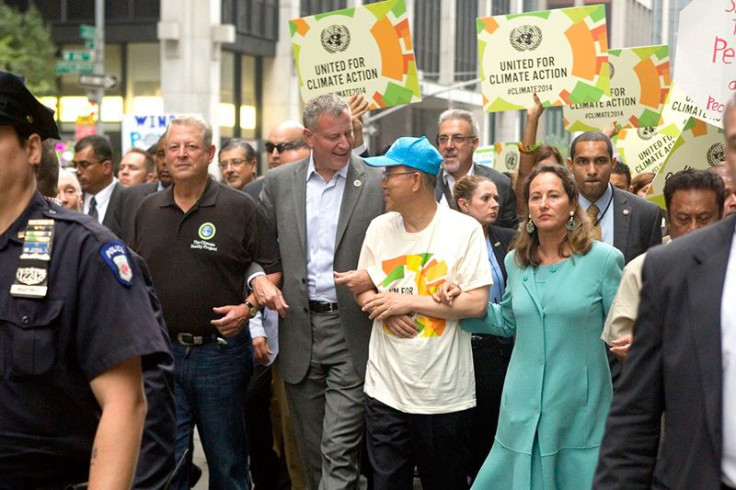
675,365
283,200
507,217
637,224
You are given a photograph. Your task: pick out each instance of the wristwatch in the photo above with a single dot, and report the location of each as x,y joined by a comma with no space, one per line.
252,308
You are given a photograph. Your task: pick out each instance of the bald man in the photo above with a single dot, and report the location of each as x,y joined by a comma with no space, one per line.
285,144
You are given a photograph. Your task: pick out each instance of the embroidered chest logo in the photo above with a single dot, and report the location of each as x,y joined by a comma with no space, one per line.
420,274
206,232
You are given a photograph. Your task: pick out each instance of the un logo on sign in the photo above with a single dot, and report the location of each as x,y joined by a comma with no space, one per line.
526,38
335,38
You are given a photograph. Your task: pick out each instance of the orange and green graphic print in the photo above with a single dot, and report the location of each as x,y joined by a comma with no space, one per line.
426,274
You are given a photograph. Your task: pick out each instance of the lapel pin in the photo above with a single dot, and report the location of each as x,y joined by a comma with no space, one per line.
626,212
357,183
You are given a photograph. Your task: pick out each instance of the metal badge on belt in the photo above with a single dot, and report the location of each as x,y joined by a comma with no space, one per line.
31,278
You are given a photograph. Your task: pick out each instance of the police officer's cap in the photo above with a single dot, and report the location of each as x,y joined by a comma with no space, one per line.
20,109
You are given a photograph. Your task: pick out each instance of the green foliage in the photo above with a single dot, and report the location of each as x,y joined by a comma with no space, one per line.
26,48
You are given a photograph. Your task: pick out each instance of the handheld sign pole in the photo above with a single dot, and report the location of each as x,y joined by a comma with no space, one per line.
100,59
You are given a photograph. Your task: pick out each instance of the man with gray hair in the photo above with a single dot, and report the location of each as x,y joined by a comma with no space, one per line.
199,239
457,139
237,162
320,208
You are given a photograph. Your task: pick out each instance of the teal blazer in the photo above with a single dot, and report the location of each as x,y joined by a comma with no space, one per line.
558,385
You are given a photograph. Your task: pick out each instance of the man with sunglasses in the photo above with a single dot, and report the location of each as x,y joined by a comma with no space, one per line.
96,173
457,139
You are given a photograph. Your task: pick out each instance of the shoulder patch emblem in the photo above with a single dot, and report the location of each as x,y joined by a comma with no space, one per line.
116,256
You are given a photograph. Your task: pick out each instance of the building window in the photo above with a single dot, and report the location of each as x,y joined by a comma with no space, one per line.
312,7
426,38
466,47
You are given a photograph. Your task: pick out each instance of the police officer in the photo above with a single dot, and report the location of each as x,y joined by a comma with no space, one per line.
77,326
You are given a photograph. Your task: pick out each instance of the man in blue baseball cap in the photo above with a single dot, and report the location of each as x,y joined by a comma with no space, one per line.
419,381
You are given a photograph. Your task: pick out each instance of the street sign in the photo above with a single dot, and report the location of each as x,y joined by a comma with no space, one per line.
72,55
87,32
97,81
90,44
64,67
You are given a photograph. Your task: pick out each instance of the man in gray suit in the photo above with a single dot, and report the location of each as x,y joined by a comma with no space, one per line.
457,139
621,219
320,208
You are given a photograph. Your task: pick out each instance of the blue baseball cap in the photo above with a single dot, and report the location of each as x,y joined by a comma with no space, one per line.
416,153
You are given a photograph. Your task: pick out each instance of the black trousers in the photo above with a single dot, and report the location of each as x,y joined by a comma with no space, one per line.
264,463
490,362
436,444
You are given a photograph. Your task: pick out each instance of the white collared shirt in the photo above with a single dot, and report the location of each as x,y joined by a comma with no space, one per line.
102,198
450,183
728,354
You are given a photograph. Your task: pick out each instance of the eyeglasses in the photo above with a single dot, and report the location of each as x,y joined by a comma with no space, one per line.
388,175
456,139
83,164
235,163
188,148
282,147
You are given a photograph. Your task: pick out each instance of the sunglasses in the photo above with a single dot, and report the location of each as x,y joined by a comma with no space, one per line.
281,147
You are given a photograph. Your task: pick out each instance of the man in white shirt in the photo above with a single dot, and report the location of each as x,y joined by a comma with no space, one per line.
96,173
683,359
419,381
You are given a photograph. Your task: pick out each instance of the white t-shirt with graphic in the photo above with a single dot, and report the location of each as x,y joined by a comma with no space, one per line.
432,372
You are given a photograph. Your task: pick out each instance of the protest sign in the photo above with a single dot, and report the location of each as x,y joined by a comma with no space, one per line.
639,78
485,155
679,108
561,55
507,155
699,146
363,50
705,60
645,149
143,130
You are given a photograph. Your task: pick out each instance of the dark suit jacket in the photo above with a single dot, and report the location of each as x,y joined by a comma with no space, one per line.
675,365
128,204
283,200
253,189
110,221
637,224
500,242
507,216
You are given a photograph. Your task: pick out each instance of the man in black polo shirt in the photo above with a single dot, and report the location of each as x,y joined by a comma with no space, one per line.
199,238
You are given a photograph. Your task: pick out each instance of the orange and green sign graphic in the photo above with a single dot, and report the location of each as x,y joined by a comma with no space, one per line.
640,79
420,274
363,50
561,55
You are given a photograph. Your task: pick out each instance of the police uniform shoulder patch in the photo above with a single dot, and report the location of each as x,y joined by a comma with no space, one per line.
115,254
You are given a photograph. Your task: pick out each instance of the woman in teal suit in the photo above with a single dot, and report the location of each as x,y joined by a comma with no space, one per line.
558,388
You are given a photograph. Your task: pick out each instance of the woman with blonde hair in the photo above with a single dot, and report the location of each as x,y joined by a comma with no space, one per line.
557,391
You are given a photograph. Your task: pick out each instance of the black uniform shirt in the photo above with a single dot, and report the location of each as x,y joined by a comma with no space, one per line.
91,319
199,259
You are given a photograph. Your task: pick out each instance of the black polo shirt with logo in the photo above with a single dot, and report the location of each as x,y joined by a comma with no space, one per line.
199,259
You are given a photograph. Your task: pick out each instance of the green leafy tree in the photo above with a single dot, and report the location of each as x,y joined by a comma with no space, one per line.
26,48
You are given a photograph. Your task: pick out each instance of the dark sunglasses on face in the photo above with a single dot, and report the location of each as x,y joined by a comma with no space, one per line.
281,147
